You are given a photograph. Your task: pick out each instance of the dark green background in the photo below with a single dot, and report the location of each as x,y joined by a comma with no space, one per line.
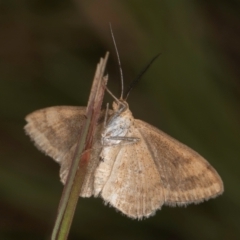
48,54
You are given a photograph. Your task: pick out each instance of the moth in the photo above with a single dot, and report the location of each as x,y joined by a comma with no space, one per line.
134,166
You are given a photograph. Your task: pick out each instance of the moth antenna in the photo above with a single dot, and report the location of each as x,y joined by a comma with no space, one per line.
135,81
119,62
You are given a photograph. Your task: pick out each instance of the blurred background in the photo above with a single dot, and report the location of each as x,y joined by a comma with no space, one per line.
48,54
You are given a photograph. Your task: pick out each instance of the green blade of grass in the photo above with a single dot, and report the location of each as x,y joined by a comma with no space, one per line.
78,168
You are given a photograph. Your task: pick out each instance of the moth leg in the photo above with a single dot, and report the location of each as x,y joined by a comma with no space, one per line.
105,117
125,141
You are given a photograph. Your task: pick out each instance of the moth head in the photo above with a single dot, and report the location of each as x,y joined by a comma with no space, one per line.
120,105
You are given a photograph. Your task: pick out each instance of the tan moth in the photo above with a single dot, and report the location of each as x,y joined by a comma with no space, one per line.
134,167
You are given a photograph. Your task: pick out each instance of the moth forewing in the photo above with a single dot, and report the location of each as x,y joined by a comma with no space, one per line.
186,176
51,127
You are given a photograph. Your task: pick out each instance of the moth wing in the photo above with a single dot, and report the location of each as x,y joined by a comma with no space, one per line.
134,186
186,176
88,183
55,131
87,189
